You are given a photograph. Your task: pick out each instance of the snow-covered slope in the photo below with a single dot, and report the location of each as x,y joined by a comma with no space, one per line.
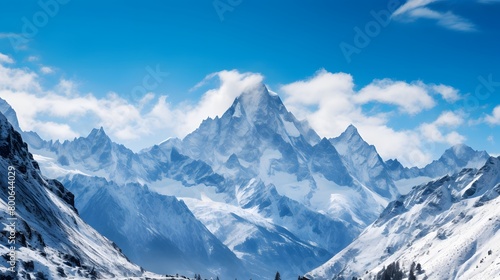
51,239
264,246
364,163
449,226
155,231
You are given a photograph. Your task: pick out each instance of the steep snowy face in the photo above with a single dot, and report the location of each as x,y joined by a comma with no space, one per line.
449,226
326,161
51,239
264,246
155,231
364,163
397,171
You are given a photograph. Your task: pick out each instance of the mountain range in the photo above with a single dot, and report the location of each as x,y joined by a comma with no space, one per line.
246,194
448,227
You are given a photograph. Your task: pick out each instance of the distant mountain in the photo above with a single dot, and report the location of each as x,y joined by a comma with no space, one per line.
448,226
155,231
51,240
454,159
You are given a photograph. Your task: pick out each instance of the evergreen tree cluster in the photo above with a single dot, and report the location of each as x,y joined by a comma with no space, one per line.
392,272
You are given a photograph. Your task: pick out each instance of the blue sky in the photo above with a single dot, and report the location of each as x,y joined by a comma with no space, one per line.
384,68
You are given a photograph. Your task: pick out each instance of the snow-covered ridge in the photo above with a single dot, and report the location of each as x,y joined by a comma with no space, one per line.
449,226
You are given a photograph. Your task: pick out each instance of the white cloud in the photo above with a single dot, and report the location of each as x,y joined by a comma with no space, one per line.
417,9
448,93
18,79
55,130
330,103
216,101
494,118
46,70
5,58
449,119
410,98
66,87
33,58
432,132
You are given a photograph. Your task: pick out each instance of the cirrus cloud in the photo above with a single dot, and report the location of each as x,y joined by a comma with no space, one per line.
413,10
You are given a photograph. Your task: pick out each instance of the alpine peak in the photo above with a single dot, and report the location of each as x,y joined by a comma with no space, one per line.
98,134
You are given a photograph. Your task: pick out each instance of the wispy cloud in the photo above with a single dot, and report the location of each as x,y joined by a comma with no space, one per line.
330,102
6,35
413,10
46,70
5,58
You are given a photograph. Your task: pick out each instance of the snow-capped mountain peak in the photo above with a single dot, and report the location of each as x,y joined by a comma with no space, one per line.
364,163
98,136
255,101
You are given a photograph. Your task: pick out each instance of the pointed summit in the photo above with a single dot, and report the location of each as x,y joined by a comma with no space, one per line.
348,139
98,135
351,129
350,134
459,151
257,102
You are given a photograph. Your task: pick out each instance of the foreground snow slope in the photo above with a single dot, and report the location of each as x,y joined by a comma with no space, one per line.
51,239
450,226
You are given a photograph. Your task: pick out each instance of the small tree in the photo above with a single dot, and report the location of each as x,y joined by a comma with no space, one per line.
412,272
419,268
277,277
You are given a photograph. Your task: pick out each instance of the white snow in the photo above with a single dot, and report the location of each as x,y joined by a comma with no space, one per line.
405,185
291,129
